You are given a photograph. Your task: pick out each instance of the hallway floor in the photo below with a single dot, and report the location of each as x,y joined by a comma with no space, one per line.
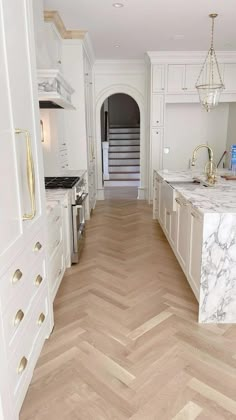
126,343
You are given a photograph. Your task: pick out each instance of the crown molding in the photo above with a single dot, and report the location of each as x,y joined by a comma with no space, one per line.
187,56
53,16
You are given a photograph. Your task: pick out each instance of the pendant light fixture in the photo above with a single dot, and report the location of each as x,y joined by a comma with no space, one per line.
209,83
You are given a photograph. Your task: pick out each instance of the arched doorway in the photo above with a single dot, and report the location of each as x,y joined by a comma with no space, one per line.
100,99
120,140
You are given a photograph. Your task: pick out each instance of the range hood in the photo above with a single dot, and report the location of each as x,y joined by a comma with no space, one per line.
53,90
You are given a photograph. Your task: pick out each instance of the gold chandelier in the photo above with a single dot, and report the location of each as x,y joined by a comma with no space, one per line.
210,88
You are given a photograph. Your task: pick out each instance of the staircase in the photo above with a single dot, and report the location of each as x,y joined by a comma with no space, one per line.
124,156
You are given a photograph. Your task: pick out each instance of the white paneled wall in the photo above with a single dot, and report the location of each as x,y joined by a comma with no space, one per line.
188,125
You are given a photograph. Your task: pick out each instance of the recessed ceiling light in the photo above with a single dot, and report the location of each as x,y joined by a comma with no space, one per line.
117,46
178,37
118,5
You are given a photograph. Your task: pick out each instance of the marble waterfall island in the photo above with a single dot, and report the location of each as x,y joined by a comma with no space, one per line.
200,225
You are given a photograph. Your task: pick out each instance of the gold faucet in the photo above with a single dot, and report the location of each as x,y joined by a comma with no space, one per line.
211,178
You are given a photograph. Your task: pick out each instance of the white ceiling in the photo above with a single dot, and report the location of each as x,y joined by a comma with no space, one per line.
149,25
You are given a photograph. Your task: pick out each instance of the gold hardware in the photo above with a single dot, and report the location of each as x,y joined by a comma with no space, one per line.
38,280
30,174
16,276
59,272
18,317
37,246
181,202
57,243
211,178
168,213
22,365
41,319
57,218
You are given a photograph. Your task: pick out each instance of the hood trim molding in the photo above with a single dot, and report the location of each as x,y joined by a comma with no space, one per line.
53,88
54,17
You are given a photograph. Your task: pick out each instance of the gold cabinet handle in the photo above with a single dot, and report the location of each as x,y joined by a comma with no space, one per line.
30,174
38,280
16,276
41,319
18,317
59,272
37,246
22,365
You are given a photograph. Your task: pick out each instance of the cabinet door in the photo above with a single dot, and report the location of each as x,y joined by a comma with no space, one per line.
176,77
158,78
192,72
157,110
182,234
195,251
54,45
230,77
21,88
156,153
162,211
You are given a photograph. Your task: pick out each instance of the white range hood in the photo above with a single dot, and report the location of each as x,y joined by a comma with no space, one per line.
53,90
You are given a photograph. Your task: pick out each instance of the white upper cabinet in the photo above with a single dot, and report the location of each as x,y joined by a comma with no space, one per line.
54,45
158,78
182,78
21,164
230,77
157,110
176,77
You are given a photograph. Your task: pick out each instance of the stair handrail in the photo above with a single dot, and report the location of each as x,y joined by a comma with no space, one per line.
106,126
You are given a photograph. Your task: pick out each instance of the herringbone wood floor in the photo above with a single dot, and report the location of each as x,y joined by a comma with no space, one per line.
126,343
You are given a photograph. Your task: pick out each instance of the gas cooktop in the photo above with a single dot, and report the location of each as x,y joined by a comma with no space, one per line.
61,181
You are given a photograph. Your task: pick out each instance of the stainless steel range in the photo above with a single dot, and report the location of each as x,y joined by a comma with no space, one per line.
78,201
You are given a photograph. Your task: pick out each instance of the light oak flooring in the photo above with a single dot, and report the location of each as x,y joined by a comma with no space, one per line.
126,343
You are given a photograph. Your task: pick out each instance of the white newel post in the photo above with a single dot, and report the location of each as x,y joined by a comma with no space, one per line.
105,149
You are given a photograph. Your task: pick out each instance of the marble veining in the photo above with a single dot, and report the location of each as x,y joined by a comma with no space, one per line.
217,300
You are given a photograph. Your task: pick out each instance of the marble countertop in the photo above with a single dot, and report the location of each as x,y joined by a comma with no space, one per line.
74,172
221,198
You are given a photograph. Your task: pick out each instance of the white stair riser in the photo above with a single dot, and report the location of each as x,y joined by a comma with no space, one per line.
124,169
124,162
124,143
120,183
124,176
124,149
124,130
123,136
124,155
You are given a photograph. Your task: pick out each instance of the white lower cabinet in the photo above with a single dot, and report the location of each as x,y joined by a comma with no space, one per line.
195,250
183,227
55,248
182,243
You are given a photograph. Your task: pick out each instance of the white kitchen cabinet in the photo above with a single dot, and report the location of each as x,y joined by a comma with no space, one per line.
157,110
54,45
230,77
24,291
182,78
156,151
182,242
156,195
195,250
176,76
158,78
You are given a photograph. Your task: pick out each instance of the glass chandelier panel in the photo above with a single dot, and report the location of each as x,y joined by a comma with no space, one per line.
209,83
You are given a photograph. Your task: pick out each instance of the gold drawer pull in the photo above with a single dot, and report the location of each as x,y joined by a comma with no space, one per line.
57,243
57,218
37,247
22,365
41,319
16,276
38,280
18,317
59,272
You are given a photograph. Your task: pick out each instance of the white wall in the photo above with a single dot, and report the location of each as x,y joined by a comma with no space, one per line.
188,125
111,76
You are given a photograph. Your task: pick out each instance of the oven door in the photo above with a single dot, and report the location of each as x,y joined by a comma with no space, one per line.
78,227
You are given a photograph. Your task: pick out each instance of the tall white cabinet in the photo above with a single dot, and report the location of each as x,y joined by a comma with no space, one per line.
25,310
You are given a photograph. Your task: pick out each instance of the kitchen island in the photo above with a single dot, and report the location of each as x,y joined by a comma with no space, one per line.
200,225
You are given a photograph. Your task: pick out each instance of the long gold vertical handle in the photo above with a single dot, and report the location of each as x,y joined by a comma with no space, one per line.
30,173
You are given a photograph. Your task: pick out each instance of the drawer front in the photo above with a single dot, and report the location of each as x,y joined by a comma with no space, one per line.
22,362
56,271
20,307
54,240
17,275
